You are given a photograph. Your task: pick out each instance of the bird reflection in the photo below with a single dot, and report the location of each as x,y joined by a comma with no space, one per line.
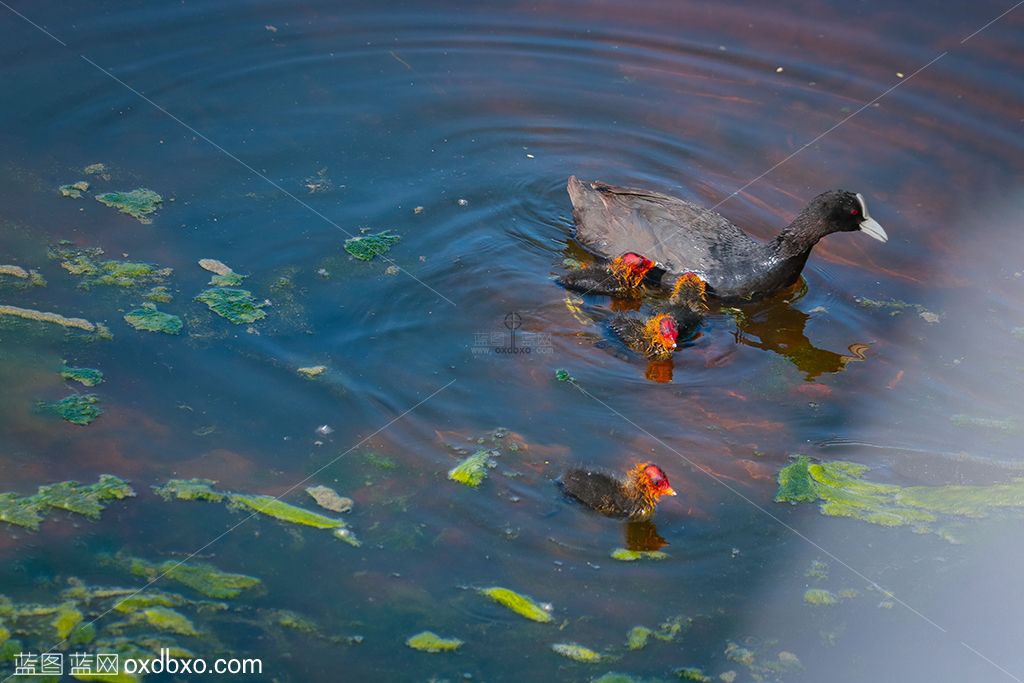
776,325
643,536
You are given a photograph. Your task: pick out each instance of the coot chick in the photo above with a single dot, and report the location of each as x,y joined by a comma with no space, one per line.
657,336
634,498
680,236
621,276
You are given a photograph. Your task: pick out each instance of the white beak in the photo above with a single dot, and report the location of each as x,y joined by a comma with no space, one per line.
869,225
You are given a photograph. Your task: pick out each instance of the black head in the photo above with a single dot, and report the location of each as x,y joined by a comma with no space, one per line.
842,211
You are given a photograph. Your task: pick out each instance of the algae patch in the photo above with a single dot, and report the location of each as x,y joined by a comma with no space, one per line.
139,203
88,500
473,470
200,577
149,319
328,499
577,652
819,596
78,409
368,247
520,604
428,641
74,190
55,319
235,305
202,489
842,491
89,377
312,371
626,555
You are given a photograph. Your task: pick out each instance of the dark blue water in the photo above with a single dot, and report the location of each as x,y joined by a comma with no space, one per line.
275,131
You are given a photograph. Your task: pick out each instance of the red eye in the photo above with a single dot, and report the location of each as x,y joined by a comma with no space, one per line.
854,212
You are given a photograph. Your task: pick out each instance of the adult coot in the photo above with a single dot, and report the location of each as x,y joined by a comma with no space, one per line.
682,237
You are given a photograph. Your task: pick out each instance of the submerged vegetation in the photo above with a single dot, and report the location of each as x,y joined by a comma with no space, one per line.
139,203
518,603
202,489
236,305
149,319
88,500
89,377
368,247
473,470
78,409
428,641
842,491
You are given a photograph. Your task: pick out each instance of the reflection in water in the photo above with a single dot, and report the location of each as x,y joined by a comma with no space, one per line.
659,371
776,325
643,536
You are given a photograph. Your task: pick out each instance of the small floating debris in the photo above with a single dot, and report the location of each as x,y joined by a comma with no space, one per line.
99,170
235,305
819,596
626,555
473,470
368,247
428,641
319,182
74,190
312,371
158,295
82,499
200,577
78,409
139,203
637,637
520,604
55,318
202,489
223,275
564,376
328,499
463,202
149,319
577,652
89,377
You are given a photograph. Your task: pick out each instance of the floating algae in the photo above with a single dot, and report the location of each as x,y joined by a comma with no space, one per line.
158,294
149,319
819,596
28,277
692,673
329,499
84,262
564,376
428,641
473,470
637,637
762,666
83,499
202,489
78,409
367,247
200,577
577,652
74,190
97,170
139,203
56,319
134,603
236,305
167,619
66,620
843,492
626,555
312,371
520,604
87,376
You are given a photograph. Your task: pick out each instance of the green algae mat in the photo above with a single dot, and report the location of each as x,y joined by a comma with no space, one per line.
841,490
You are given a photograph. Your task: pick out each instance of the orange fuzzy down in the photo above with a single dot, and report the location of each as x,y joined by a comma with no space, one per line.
691,288
654,338
631,275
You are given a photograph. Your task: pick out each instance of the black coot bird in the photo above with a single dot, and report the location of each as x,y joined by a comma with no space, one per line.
683,237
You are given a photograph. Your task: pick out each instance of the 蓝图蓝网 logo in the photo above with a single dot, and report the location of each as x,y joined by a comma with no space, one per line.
510,340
